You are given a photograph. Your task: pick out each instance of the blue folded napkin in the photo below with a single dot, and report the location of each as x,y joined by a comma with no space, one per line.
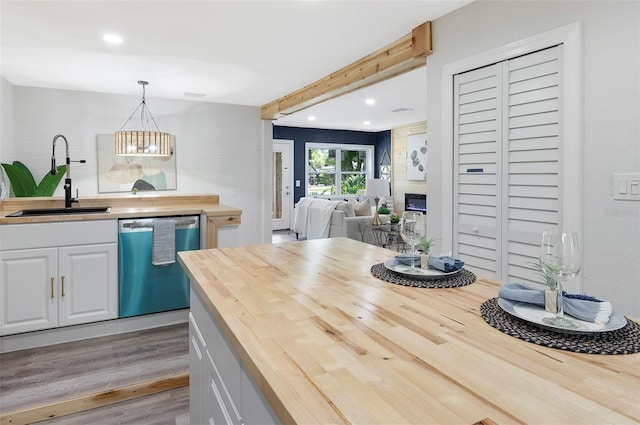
445,263
583,307
405,258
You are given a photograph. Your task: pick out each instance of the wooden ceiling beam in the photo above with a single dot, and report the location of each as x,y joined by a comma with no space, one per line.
408,53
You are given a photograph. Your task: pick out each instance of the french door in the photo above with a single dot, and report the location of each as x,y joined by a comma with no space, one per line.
282,199
507,163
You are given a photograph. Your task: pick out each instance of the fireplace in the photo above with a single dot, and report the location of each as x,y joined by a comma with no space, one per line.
415,202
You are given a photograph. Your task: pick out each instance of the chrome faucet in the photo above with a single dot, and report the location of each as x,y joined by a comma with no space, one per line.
68,199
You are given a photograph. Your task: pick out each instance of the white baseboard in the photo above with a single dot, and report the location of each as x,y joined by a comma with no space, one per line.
9,343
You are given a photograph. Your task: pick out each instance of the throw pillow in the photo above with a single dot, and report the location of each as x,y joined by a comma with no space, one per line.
362,208
347,208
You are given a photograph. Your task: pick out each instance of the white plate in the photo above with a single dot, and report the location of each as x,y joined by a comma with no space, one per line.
534,314
405,269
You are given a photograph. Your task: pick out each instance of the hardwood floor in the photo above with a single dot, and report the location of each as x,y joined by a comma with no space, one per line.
286,235
56,374
166,408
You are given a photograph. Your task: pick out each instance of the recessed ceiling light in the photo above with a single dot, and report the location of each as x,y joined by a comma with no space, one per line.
370,101
112,38
366,122
311,118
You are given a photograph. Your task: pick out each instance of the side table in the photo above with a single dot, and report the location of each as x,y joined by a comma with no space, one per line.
388,236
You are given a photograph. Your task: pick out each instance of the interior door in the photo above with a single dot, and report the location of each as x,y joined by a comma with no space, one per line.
282,200
507,179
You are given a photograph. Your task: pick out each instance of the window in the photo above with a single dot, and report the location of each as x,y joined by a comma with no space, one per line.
337,169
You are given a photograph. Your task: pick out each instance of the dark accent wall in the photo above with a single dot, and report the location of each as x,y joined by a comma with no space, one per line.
299,135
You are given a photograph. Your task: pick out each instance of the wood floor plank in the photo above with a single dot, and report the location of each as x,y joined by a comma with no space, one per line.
34,377
166,408
92,401
57,374
63,389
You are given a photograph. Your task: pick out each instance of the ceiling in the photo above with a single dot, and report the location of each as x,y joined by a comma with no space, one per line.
235,52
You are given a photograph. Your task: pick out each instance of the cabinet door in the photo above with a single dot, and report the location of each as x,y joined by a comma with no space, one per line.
216,401
196,359
88,283
222,232
226,360
28,293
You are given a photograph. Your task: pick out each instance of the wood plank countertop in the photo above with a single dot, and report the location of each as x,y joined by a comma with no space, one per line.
123,206
327,342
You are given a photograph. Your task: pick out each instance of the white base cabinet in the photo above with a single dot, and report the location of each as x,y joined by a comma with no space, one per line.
28,290
88,283
63,275
220,390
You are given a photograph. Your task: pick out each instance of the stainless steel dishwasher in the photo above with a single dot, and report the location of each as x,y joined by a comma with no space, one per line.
144,287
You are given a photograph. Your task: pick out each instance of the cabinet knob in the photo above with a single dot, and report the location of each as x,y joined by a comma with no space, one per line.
62,278
474,229
52,279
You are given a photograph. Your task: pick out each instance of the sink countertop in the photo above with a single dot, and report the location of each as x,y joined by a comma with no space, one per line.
126,206
327,342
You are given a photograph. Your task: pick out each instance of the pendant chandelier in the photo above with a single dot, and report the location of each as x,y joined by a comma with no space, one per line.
145,142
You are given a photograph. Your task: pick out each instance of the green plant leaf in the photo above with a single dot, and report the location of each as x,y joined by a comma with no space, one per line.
22,181
545,273
49,183
425,244
26,170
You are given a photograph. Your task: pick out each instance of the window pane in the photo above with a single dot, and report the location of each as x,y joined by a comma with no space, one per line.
321,184
276,207
322,160
337,169
353,160
353,182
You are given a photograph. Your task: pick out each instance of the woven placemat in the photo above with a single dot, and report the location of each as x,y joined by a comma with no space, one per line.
622,341
465,277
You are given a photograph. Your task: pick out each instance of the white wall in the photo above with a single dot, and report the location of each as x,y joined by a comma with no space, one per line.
220,148
611,111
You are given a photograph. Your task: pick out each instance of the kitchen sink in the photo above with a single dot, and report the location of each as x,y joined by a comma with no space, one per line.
60,211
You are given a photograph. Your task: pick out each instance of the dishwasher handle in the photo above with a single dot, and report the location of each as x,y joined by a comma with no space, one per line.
148,223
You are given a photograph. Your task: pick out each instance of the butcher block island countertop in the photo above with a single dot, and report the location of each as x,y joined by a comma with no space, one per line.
327,342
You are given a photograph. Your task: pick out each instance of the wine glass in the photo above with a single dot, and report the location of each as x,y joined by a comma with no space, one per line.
560,256
412,230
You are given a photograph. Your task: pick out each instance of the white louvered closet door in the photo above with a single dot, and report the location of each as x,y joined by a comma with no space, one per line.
507,157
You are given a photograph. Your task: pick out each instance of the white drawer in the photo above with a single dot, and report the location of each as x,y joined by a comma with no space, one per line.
44,235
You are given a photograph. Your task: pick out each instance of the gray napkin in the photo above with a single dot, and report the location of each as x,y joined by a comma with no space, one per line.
445,263
581,307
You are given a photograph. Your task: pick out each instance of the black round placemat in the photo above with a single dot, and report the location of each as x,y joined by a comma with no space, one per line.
465,277
622,341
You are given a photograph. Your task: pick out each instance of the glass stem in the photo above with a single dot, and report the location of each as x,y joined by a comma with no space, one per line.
559,303
413,255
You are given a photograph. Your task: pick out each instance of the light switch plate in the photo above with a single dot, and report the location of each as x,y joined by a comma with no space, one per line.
626,186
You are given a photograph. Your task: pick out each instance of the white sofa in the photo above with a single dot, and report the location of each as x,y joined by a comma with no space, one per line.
343,221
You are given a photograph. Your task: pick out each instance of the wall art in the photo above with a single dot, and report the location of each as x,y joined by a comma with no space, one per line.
417,157
124,173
